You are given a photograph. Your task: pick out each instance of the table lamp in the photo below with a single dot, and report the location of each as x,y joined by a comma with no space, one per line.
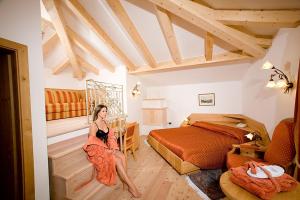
253,136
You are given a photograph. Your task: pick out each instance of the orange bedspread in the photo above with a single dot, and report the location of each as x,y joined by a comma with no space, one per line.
203,144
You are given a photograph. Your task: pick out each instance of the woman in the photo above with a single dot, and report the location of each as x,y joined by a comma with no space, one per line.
103,152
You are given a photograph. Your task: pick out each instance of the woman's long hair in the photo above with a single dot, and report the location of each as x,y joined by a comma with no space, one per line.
97,110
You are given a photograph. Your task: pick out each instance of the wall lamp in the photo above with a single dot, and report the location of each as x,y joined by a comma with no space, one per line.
136,90
282,82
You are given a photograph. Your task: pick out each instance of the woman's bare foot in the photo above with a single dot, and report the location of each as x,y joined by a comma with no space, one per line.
135,193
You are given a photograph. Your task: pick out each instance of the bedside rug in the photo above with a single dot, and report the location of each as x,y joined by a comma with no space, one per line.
208,182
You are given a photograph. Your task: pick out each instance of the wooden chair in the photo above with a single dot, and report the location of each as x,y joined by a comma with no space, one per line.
281,150
129,140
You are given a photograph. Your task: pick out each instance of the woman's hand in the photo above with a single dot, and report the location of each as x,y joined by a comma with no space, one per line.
111,151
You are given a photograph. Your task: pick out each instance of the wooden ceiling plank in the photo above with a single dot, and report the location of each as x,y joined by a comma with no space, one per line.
61,66
84,16
264,42
208,46
49,43
127,24
168,32
87,65
220,59
79,41
58,23
272,17
191,13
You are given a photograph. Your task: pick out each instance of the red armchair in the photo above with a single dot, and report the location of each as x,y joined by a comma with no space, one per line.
281,150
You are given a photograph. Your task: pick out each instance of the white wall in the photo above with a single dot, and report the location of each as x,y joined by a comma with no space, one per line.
270,105
182,100
134,104
20,21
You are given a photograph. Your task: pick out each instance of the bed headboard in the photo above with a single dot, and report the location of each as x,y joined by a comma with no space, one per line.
232,120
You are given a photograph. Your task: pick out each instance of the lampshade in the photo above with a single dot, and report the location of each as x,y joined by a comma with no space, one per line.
250,136
281,83
267,65
271,84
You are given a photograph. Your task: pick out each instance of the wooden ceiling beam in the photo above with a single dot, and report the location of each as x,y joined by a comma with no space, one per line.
220,59
61,66
49,43
244,17
84,16
46,23
80,42
187,10
264,42
87,65
127,24
208,46
59,24
168,32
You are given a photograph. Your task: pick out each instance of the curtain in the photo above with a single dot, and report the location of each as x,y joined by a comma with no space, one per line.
297,128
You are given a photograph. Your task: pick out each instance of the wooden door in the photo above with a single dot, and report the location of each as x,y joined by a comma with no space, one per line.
16,152
10,154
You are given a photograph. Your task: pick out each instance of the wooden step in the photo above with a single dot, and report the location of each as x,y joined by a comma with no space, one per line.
65,153
70,178
87,191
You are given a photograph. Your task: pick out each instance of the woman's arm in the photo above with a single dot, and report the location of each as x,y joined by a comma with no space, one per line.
93,130
112,140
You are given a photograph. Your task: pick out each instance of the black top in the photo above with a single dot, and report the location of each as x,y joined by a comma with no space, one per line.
102,135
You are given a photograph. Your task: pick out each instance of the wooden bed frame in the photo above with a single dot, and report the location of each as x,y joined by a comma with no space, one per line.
183,167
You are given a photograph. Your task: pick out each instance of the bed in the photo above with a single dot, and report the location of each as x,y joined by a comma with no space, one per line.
200,145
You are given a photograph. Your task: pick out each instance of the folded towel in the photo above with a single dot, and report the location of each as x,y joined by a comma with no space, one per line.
264,188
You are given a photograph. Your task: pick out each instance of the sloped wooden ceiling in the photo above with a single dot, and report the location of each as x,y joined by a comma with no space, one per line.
242,29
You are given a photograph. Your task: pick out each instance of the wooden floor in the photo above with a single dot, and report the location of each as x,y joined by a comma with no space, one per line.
154,177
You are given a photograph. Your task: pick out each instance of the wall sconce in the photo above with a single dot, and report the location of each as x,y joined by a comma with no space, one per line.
136,90
282,82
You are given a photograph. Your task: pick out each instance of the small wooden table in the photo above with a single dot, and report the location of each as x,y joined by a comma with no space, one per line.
235,192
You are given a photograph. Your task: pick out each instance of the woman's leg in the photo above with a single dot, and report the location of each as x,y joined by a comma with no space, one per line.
122,157
123,175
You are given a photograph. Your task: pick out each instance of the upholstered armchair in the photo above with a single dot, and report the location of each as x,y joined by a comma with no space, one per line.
281,150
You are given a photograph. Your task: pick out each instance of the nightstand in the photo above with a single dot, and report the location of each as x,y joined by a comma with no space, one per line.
249,149
252,150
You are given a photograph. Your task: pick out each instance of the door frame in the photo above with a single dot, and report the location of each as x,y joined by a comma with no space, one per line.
22,69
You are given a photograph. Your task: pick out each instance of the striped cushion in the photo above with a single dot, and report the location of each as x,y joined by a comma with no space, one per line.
63,115
64,103
49,98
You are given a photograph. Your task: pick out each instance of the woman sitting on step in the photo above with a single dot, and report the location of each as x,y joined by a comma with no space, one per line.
103,151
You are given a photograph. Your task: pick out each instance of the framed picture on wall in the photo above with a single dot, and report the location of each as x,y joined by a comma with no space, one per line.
207,99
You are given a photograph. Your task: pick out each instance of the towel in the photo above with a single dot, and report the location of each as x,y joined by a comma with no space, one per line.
264,188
